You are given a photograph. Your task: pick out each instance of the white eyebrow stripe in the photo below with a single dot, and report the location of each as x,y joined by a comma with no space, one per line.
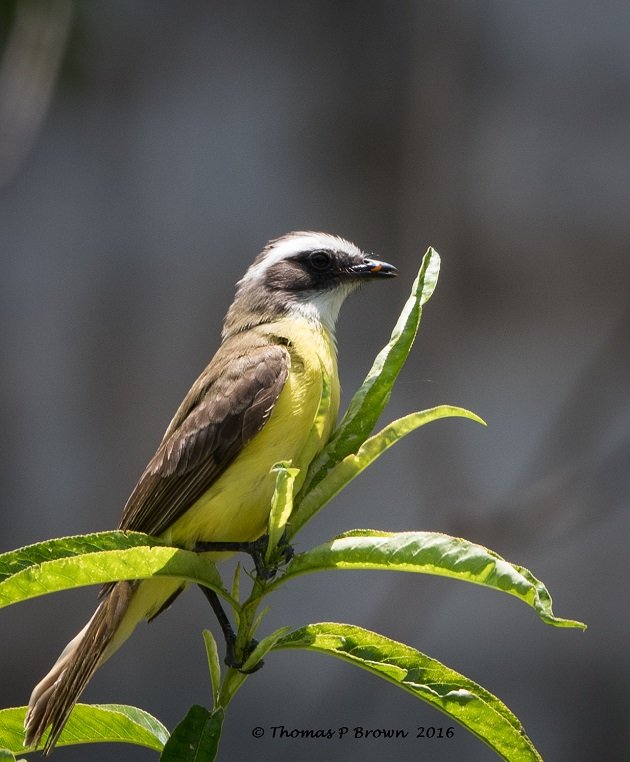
295,243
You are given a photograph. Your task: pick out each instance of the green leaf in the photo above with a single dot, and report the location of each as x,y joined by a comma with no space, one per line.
72,562
429,553
321,422
262,648
196,738
236,593
214,664
281,506
6,756
460,698
352,465
236,583
258,621
90,723
369,401
66,547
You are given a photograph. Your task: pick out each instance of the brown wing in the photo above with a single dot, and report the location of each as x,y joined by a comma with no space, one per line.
229,404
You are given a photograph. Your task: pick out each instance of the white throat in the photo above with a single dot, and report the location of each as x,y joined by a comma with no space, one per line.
323,308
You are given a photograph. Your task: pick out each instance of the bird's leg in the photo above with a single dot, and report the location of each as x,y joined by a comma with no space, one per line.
228,633
256,549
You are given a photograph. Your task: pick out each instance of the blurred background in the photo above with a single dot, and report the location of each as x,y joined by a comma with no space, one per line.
148,150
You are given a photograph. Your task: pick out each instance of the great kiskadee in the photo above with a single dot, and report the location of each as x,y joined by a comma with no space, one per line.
210,480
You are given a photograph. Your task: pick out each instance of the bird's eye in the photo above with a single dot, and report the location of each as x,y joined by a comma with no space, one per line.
319,260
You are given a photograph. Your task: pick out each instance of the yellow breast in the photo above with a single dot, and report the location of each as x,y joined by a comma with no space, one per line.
236,506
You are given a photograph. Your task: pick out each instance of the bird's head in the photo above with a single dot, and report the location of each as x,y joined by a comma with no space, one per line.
304,274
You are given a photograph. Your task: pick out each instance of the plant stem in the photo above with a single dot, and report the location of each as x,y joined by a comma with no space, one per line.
234,678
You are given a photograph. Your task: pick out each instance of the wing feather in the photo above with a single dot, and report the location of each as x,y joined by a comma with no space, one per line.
225,409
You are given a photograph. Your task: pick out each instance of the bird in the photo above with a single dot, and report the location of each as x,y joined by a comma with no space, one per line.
210,482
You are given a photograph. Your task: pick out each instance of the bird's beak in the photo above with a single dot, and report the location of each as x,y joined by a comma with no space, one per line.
374,268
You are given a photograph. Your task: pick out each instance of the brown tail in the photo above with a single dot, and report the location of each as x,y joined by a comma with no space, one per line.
54,697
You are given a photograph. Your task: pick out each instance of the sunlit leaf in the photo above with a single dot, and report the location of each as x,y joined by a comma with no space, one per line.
373,394
458,697
429,553
281,506
265,645
90,723
74,562
352,465
214,664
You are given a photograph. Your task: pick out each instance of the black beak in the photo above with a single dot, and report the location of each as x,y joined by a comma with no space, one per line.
374,268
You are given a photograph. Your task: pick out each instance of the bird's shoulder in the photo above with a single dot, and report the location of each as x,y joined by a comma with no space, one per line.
239,365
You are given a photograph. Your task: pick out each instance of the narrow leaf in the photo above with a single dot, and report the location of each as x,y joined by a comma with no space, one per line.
258,621
464,701
371,398
321,422
281,506
429,553
236,594
352,465
236,583
214,664
59,565
196,738
262,648
90,723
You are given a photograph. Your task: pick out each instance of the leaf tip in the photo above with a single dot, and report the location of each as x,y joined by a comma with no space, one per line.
574,623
